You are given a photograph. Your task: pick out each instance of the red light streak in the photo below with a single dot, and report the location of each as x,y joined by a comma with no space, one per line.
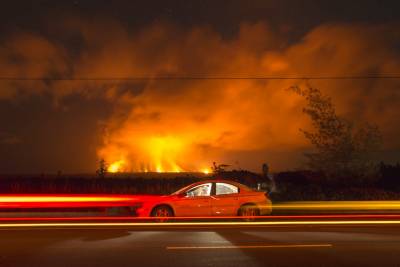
70,201
195,224
281,217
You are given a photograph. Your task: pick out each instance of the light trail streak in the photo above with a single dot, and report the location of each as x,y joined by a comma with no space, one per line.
60,198
68,201
129,218
361,205
250,247
197,224
336,205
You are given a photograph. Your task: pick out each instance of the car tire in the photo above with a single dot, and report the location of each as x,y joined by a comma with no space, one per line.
249,211
162,211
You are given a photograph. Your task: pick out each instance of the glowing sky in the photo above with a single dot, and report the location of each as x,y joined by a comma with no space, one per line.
185,125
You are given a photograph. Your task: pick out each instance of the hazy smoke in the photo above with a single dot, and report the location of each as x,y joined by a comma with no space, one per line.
186,124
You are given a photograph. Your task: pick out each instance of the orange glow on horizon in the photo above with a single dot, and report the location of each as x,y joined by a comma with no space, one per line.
231,110
161,154
172,126
206,171
116,166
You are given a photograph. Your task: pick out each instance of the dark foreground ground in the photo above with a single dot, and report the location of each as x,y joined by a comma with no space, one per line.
299,245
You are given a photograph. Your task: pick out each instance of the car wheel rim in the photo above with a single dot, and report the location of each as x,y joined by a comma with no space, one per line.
162,213
249,212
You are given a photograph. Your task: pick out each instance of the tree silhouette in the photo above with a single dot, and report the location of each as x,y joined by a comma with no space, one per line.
102,170
219,168
341,149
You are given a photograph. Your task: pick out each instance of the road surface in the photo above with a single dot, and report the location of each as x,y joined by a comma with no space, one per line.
282,245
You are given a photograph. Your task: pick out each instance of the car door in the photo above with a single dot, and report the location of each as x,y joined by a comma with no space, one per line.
225,200
196,202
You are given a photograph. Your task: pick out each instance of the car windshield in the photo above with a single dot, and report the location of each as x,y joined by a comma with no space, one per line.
180,191
200,190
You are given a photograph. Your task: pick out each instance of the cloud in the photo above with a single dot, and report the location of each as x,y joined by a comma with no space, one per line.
187,124
8,139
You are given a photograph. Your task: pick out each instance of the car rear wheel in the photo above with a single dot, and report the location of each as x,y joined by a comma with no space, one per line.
162,212
249,210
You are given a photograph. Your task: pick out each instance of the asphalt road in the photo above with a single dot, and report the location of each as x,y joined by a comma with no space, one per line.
351,245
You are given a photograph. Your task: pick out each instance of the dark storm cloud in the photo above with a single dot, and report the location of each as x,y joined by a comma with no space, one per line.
223,16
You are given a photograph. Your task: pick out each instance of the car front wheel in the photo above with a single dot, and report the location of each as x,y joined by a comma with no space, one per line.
162,211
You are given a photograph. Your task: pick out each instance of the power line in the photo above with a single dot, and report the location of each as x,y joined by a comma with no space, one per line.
146,78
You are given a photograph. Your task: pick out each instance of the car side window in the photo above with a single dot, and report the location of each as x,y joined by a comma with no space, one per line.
225,189
200,191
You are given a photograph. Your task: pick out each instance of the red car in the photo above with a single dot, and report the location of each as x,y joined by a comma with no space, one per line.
202,199
208,198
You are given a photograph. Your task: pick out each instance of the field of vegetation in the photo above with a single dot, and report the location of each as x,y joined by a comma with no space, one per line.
286,186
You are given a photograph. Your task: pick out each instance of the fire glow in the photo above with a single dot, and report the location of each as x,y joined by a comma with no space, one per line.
183,125
158,153
116,166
